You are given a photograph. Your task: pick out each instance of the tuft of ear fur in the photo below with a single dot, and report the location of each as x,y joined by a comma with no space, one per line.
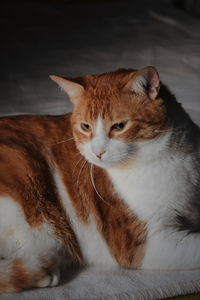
145,81
73,89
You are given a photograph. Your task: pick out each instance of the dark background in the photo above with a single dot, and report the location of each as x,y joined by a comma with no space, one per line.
73,38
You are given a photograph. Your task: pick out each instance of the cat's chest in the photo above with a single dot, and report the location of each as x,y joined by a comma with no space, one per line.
147,190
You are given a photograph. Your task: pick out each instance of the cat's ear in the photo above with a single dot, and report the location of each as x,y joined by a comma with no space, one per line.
145,81
74,90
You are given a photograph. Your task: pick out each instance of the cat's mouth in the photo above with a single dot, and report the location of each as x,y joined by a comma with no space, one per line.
106,162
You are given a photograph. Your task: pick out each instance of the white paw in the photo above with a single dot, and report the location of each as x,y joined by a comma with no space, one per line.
44,282
49,280
55,278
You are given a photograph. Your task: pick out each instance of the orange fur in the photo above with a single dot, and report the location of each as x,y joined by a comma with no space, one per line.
31,147
19,278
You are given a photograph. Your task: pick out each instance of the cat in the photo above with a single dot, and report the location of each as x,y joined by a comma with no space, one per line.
114,183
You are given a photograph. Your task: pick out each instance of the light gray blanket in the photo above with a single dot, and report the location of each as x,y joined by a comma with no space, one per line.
42,39
117,285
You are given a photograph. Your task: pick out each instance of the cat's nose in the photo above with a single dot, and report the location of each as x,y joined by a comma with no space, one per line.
99,155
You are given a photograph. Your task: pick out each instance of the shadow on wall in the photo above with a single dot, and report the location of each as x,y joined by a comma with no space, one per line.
191,6
77,37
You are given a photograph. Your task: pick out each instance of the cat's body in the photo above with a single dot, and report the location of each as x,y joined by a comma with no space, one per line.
76,188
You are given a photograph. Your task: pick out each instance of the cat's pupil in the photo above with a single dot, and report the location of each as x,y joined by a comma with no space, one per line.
118,126
85,127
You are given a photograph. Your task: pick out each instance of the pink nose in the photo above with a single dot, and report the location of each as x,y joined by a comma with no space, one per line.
99,155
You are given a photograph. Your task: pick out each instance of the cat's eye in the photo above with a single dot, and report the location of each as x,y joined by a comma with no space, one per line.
118,126
85,127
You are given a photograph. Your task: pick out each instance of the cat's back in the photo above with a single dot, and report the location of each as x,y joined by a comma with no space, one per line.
43,128
26,160
25,142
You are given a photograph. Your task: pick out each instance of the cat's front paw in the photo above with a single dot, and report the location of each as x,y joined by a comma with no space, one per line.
49,280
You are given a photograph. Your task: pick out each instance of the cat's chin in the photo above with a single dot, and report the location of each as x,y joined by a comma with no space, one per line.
103,163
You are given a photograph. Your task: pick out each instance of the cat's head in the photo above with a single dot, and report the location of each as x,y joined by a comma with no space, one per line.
113,111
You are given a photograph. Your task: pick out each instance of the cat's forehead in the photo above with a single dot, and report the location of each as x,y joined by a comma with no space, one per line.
107,103
111,79
104,96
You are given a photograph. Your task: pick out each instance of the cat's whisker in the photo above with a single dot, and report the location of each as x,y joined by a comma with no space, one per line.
75,165
82,167
63,141
160,131
170,130
94,186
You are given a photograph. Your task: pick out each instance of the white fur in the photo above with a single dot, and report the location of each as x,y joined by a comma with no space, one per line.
100,140
153,185
50,280
19,240
92,244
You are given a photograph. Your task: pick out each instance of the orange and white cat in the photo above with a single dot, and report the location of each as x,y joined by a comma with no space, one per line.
115,182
